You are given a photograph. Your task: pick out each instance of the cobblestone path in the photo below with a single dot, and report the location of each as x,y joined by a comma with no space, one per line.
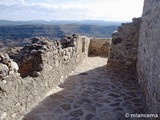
92,92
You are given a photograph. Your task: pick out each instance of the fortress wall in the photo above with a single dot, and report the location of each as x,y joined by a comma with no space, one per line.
99,46
43,66
149,55
123,52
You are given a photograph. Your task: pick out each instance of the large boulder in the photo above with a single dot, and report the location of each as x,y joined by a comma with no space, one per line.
14,66
4,70
7,65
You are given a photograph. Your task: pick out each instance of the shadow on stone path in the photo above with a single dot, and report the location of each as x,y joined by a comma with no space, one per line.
92,92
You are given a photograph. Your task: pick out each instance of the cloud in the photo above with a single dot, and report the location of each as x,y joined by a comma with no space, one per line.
117,10
70,9
40,11
10,2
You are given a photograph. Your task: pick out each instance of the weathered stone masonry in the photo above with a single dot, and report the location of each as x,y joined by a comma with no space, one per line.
48,63
136,43
100,46
124,45
149,55
143,34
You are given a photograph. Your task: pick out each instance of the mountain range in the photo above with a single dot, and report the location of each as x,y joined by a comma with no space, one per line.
15,33
60,22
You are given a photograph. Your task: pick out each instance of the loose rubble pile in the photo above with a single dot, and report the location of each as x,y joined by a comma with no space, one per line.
7,66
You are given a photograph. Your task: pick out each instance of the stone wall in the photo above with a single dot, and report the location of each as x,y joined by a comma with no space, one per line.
100,46
123,52
149,55
43,65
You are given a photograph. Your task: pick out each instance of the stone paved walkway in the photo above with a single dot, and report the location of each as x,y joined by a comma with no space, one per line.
92,92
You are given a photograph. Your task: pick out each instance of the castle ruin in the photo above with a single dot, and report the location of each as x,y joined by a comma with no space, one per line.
130,78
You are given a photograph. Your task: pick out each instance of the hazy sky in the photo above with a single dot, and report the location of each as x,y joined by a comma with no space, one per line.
116,10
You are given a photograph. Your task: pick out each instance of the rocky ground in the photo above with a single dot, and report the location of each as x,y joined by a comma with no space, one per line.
92,92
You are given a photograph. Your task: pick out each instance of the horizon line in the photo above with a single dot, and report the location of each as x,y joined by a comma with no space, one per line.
64,20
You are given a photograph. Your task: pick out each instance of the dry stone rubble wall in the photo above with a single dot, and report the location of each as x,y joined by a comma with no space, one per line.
43,65
100,46
124,47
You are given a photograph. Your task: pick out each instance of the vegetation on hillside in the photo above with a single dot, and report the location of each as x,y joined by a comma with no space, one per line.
54,31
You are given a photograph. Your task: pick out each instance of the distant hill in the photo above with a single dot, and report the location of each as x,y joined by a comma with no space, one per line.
59,22
13,33
54,31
